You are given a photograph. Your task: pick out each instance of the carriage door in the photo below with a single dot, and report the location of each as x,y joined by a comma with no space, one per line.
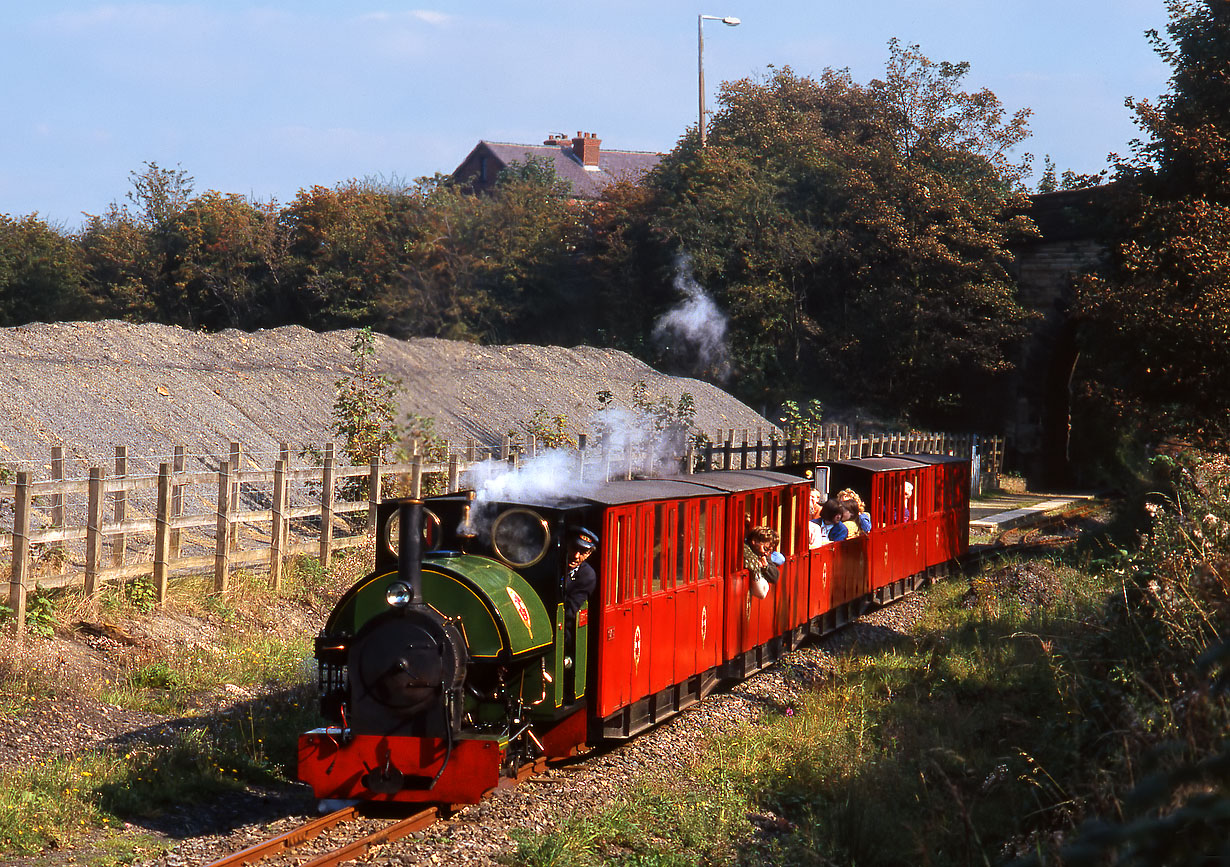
709,583
642,610
687,627
619,555
662,596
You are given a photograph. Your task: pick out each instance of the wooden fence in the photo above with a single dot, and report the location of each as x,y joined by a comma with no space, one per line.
102,528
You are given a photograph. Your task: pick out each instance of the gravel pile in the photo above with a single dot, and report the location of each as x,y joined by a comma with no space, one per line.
480,835
92,386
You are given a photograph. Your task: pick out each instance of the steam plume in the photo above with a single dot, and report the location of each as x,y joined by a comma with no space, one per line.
692,334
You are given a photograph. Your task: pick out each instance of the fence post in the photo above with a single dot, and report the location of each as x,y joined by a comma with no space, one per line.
93,530
326,507
277,532
416,477
162,533
236,466
57,474
177,501
21,553
119,542
373,490
222,536
454,472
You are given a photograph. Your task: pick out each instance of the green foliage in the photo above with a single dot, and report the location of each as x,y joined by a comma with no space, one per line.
41,273
798,422
40,614
142,595
365,403
858,236
550,430
1156,322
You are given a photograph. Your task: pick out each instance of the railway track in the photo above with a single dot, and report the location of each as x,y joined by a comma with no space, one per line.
351,849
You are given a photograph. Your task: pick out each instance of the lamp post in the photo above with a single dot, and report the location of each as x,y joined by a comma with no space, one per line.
700,60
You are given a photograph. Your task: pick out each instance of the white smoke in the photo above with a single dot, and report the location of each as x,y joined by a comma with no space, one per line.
692,334
639,442
549,478
552,476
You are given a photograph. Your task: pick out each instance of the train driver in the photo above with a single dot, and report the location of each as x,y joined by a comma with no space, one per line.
578,582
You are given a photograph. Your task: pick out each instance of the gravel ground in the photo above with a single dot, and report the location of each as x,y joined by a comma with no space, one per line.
92,386
479,835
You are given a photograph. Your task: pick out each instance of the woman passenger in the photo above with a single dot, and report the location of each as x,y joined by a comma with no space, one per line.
850,498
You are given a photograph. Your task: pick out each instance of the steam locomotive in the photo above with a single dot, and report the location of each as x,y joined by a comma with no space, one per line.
451,667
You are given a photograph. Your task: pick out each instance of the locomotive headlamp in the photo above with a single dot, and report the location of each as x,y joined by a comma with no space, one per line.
397,594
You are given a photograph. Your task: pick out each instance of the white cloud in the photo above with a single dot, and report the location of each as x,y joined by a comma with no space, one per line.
426,16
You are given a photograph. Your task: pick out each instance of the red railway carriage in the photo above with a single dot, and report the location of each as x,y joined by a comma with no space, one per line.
946,504
449,666
673,613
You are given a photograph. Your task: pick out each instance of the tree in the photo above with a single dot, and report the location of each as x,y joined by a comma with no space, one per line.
127,250
858,236
493,267
41,273
365,403
1156,322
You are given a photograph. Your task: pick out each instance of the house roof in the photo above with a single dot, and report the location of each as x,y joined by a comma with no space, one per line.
613,165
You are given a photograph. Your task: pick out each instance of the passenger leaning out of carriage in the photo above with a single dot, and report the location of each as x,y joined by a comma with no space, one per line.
854,514
761,559
830,521
815,535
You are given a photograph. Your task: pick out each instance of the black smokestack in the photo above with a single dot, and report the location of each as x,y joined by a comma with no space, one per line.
410,547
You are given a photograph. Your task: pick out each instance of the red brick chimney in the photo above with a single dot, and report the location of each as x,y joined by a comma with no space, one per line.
585,146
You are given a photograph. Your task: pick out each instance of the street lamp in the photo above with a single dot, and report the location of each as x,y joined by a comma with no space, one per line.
700,60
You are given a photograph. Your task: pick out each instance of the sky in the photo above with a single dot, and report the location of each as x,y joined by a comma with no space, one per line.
264,99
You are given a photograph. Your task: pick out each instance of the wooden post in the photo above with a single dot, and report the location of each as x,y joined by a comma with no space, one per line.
470,451
222,536
277,530
505,447
373,491
57,500
236,467
57,474
21,553
177,501
416,477
119,542
162,533
454,473
326,507
759,450
93,530
730,447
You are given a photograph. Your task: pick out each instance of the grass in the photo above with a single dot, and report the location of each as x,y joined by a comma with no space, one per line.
1045,711
241,651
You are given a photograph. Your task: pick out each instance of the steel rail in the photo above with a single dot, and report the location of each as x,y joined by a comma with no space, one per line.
361,847
290,840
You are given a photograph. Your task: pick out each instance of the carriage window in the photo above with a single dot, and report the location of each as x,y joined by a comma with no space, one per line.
624,559
702,541
659,539
682,540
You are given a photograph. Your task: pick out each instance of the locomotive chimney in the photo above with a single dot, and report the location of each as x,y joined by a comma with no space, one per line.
410,549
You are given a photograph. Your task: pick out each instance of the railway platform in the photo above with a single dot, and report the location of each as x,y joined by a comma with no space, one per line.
1004,511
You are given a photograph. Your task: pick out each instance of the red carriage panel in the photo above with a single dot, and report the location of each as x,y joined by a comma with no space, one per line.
642,615
711,517
687,567
660,584
820,589
616,627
